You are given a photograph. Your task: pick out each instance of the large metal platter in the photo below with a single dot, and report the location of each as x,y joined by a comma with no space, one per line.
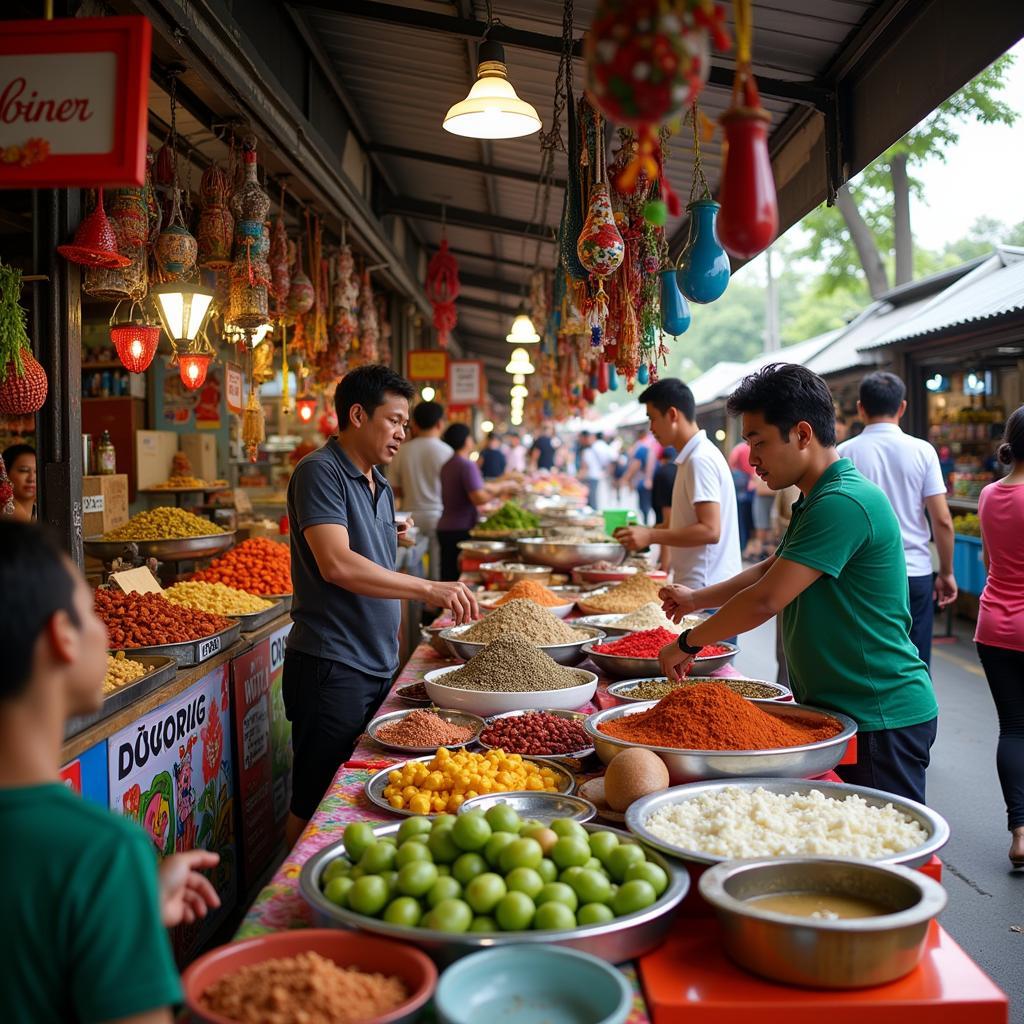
285,599
605,623
486,550
377,782
176,549
254,620
464,718
191,652
625,938
567,555
160,670
543,807
934,824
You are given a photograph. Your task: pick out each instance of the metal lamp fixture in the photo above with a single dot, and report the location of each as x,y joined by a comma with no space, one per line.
183,308
492,110
519,378
305,407
135,341
520,362
523,331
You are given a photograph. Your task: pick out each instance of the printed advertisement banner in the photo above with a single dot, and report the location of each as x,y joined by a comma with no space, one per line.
87,774
280,728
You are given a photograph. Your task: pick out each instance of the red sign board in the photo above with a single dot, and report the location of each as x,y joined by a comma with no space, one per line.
73,102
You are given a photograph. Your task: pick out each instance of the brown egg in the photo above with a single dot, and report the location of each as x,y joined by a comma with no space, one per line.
632,774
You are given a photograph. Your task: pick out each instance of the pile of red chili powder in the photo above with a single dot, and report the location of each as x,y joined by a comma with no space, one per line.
710,716
648,644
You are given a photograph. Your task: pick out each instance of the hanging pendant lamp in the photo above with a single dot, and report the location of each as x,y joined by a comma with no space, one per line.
520,362
523,331
492,110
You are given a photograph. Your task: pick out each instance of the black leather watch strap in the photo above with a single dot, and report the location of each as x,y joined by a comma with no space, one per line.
684,643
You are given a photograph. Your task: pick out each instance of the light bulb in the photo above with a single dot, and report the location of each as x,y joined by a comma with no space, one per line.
523,332
427,394
487,426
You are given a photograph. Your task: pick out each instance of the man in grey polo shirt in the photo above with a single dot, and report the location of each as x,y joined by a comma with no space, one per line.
343,646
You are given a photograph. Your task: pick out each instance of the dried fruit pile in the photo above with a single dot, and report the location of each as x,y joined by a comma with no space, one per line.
258,566
163,524
148,620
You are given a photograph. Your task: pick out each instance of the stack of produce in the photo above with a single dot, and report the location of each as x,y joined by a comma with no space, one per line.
967,525
512,664
257,566
537,732
423,729
510,517
163,524
526,619
121,671
503,874
627,596
710,716
215,597
150,620
528,590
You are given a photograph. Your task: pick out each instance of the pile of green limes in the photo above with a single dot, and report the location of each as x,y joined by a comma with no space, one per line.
490,872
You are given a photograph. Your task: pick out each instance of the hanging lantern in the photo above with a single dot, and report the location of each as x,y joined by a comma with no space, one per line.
95,243
523,331
135,341
183,309
192,366
704,271
305,408
254,430
215,230
442,287
519,363
176,248
675,313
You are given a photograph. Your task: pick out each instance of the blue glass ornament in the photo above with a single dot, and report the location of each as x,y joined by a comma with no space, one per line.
703,272
642,376
675,313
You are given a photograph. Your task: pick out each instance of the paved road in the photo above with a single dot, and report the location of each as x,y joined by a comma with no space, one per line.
986,899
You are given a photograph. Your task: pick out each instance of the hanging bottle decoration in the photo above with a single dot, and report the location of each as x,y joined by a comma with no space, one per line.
675,313
249,296
602,382
301,295
215,230
23,382
442,287
277,260
749,220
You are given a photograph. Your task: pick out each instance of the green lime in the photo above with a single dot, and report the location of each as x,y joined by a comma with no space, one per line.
524,880
467,867
356,873
377,858
390,840
441,822
568,827
594,865
410,851
569,874
548,870
452,915
592,886
485,892
338,867
594,913
369,895
405,911
443,889
554,916
497,842
529,824
417,878
514,912
411,827
471,831
443,869
520,853
391,880
502,818
484,923
442,847
622,858
633,896
358,837
602,844
649,873
337,889
570,852
557,892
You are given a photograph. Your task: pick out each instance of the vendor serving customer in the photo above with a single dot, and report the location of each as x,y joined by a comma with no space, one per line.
838,580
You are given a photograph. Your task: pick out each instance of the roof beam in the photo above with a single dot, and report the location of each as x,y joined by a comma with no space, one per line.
385,149
502,285
488,307
425,209
501,261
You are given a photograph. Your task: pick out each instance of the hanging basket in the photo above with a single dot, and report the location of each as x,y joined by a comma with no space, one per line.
95,243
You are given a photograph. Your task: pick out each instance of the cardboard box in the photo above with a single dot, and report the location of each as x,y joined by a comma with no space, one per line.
104,503
201,450
153,454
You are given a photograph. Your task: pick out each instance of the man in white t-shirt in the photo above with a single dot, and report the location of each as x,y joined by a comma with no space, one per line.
907,469
415,476
703,529
591,467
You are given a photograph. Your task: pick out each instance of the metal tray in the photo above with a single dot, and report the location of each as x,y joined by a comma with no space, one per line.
176,549
285,599
377,782
934,824
579,716
191,652
543,807
254,620
161,669
625,938
474,722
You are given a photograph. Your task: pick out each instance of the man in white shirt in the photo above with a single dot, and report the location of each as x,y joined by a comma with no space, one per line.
415,476
591,467
703,529
515,453
907,469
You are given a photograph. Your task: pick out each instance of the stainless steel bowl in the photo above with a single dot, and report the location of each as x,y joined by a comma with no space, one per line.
463,718
633,668
565,654
934,825
565,555
625,938
804,762
489,550
621,690
504,574
605,623
543,807
169,549
578,716
846,953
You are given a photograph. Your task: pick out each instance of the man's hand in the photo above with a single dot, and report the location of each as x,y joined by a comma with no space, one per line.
674,662
677,601
185,894
633,538
457,598
945,589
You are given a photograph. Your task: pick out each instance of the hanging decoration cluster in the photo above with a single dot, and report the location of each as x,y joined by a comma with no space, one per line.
23,382
442,287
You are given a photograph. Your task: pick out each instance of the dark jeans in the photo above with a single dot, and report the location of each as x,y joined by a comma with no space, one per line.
1004,670
922,615
745,517
645,502
893,760
448,541
329,706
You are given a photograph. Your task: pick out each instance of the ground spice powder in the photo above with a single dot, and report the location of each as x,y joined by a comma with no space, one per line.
530,590
511,664
423,729
527,619
626,596
710,716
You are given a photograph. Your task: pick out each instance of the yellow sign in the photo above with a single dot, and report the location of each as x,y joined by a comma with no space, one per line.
428,364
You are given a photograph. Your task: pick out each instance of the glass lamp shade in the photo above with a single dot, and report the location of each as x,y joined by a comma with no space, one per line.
519,391
136,345
523,331
193,366
520,362
183,308
492,110
305,407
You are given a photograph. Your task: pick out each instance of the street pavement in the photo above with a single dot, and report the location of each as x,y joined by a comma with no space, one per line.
986,898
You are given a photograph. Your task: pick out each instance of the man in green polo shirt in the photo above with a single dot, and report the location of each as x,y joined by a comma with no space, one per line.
838,579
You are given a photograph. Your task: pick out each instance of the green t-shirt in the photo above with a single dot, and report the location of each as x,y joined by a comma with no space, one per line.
82,938
847,636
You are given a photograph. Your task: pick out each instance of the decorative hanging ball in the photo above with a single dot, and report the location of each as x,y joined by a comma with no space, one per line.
675,313
23,383
442,288
600,246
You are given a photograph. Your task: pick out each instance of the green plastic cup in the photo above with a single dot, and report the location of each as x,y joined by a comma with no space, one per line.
616,518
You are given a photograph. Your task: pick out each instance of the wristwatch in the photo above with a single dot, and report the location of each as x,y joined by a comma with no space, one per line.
684,643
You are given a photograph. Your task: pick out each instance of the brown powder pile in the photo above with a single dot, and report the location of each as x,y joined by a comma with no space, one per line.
535,624
423,729
627,596
512,664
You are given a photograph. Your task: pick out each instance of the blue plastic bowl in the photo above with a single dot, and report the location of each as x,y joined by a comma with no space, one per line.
530,985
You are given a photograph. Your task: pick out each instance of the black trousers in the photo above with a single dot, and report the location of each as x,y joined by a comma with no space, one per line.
893,760
329,706
448,540
922,615
1004,670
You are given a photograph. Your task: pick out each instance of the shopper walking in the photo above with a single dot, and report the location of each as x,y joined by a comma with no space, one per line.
907,469
1000,631
343,646
542,454
745,482
591,468
838,579
516,453
492,458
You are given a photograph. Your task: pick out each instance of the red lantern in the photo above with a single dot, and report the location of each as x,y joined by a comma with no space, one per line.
136,345
305,407
193,366
442,288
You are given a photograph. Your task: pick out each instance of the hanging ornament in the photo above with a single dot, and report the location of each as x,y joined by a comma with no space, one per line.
193,366
95,243
215,230
176,248
135,341
675,313
301,295
369,326
642,375
249,299
6,493
346,297
254,430
129,219
280,269
442,288
23,383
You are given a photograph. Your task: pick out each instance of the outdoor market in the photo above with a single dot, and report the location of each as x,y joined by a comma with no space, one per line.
503,514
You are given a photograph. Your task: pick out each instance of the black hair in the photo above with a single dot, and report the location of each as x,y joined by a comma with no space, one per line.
427,415
881,393
670,393
455,436
36,582
786,394
15,451
1012,448
366,386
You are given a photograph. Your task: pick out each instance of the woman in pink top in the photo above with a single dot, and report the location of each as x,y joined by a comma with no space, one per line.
1000,632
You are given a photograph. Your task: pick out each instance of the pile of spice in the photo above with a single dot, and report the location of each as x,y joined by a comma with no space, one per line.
424,729
121,671
163,524
655,689
257,566
528,590
150,620
510,517
512,664
626,596
648,644
535,624
215,597
710,716
537,732
649,616
413,691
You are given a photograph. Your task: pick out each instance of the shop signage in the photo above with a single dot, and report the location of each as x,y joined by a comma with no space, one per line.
233,387
465,382
137,581
92,503
280,728
428,364
73,102
87,774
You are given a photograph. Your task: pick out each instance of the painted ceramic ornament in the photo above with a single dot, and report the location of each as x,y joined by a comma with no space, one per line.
600,247
703,273
250,201
176,249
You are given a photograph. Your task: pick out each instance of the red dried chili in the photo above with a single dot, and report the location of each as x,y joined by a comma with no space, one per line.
645,644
